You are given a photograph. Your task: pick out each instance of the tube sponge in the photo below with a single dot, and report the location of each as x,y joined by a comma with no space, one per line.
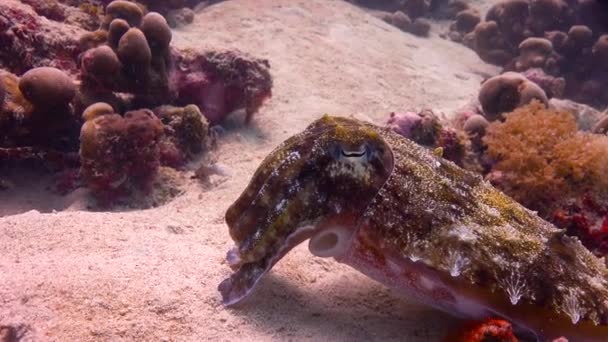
118,27
157,31
101,64
133,48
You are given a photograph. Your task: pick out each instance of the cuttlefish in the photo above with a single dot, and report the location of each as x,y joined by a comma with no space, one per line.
417,223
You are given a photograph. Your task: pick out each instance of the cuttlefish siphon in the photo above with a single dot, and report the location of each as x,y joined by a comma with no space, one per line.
417,223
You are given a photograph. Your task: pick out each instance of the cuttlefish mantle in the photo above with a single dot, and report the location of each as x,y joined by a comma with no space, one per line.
417,223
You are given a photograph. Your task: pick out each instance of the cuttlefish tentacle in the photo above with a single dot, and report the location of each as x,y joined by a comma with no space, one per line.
417,223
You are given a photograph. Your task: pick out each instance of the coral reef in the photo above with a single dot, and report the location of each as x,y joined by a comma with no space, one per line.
543,161
566,40
541,156
586,117
412,15
139,61
177,12
127,65
551,85
601,127
586,217
120,156
425,129
418,26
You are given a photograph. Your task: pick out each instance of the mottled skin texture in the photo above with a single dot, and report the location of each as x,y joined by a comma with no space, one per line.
417,223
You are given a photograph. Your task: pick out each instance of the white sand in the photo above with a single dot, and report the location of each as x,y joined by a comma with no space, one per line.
152,274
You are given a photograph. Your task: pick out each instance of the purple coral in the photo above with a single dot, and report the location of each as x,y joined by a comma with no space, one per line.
552,85
220,82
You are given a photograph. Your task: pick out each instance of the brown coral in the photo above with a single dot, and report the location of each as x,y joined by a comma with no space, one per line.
504,93
511,17
535,53
542,160
487,40
47,87
466,20
127,10
420,27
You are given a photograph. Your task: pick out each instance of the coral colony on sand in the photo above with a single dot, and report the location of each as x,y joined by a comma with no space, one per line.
120,96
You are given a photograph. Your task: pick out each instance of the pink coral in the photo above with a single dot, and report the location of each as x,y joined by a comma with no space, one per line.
425,129
220,82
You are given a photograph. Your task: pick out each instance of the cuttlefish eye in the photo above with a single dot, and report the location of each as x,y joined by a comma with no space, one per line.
355,152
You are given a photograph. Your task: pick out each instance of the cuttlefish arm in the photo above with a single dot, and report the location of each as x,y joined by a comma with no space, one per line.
417,223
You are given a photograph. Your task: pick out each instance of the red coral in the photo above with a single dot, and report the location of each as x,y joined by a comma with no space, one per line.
586,218
492,329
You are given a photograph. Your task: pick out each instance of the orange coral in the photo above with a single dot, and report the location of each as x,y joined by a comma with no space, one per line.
541,157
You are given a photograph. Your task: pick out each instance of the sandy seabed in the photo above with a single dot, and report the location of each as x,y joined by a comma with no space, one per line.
73,275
